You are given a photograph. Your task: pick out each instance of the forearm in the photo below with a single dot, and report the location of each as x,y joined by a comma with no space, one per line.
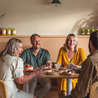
48,62
24,79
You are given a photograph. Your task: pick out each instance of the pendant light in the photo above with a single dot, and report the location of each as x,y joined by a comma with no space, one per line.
55,2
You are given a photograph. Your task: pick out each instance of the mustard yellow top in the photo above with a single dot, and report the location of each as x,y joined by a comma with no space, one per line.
78,58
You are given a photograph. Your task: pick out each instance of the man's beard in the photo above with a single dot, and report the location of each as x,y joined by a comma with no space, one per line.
89,47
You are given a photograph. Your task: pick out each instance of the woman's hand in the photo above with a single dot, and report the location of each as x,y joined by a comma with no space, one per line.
57,66
34,96
37,73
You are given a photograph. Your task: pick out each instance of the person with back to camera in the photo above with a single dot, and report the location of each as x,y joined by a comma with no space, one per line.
69,53
37,56
89,71
11,69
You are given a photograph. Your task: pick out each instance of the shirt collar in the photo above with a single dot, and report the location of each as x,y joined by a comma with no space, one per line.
40,51
95,52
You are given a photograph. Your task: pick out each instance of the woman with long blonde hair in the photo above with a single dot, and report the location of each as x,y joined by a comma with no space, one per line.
67,54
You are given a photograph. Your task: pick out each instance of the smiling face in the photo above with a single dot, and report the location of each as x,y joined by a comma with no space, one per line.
71,42
36,42
19,49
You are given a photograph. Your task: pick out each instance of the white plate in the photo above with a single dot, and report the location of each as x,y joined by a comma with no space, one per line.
56,70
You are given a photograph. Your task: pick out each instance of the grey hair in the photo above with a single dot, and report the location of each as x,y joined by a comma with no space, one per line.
33,36
66,43
11,47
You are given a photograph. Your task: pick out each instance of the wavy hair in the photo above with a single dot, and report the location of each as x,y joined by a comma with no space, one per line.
66,43
11,47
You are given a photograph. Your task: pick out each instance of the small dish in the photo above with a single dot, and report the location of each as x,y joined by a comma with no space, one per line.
49,73
66,73
56,70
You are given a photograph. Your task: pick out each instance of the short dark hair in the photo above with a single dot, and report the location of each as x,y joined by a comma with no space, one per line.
33,36
94,39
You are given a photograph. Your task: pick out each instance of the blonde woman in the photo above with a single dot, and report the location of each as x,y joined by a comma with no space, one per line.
69,53
11,69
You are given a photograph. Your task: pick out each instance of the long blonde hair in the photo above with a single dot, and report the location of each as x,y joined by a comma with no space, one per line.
66,43
11,47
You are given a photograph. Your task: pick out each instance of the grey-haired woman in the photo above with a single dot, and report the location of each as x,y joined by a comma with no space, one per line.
11,69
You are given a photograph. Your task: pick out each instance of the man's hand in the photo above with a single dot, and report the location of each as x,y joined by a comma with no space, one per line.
49,64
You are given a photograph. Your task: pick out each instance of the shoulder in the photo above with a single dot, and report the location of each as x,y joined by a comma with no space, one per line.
80,50
27,50
43,50
12,58
62,48
93,58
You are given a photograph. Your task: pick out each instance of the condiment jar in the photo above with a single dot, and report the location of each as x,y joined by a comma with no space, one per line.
9,31
3,31
13,31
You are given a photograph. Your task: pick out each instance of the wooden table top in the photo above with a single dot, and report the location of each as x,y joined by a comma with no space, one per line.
58,75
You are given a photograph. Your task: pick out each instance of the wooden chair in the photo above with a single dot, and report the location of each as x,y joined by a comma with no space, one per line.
3,90
94,89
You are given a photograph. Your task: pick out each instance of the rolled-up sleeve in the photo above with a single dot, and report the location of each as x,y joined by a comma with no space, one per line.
17,68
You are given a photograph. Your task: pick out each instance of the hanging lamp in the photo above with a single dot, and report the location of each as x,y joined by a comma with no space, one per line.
55,2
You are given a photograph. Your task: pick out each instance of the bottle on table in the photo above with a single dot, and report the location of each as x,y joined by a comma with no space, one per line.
13,31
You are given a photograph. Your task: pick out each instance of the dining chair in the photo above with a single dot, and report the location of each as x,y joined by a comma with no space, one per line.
3,90
94,90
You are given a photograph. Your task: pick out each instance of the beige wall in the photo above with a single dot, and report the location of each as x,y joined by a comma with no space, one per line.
38,16
51,43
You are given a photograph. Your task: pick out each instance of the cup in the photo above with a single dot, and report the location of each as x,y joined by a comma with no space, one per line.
57,66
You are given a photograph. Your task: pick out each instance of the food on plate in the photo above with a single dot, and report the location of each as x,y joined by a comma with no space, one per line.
44,68
29,65
66,72
49,73
62,68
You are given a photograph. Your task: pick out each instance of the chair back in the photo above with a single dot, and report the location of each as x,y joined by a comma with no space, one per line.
3,90
94,90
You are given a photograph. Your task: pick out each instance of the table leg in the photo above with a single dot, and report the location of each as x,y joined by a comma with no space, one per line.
26,87
69,86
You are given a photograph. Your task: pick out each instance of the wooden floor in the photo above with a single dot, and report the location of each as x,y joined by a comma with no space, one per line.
51,94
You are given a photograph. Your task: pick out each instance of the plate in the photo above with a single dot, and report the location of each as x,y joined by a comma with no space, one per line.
45,68
56,70
66,73
49,73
